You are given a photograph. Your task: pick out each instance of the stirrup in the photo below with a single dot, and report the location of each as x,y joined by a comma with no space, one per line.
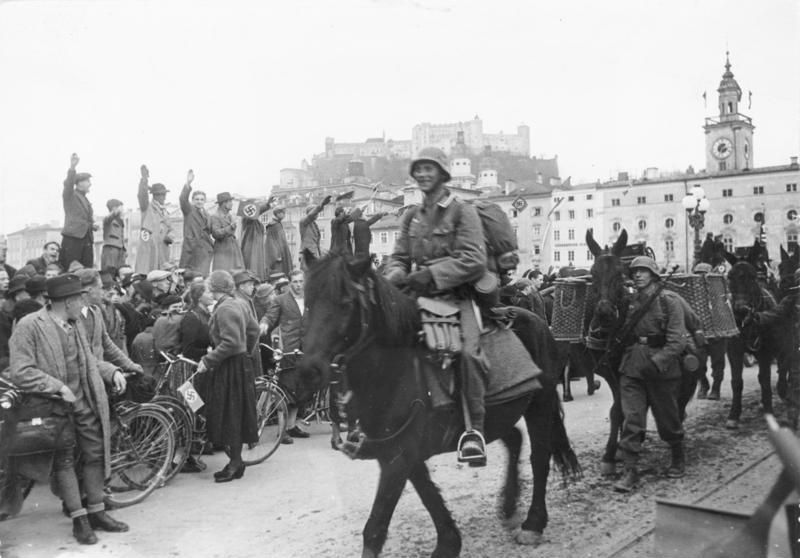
477,460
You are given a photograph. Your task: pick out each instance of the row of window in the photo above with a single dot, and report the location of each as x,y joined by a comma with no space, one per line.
758,217
570,255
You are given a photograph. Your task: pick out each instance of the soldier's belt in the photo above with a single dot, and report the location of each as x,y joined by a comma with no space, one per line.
652,341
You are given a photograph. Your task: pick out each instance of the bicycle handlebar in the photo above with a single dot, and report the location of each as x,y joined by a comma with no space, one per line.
178,358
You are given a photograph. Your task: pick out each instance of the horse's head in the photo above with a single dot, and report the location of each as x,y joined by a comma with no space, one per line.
745,289
786,269
608,281
349,308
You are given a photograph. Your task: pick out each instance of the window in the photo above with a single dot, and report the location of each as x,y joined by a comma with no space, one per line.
571,256
669,223
727,218
669,245
557,216
642,224
384,237
571,198
614,202
571,234
758,217
556,256
512,213
589,255
641,200
758,190
537,211
588,196
537,230
589,213
396,235
727,241
616,226
322,234
727,193
668,198
556,235
791,187
537,249
572,214
791,214
723,166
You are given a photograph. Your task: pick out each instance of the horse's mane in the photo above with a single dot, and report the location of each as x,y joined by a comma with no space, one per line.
334,278
743,279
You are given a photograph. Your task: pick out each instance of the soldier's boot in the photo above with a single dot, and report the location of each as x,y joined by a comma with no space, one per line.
629,479
714,393
677,466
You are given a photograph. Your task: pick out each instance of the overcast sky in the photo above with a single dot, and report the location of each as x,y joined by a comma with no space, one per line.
239,90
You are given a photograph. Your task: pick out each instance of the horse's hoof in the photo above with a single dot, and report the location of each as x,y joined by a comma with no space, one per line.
608,469
529,538
336,444
732,424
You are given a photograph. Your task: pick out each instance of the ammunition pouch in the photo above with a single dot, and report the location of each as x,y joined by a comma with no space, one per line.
441,328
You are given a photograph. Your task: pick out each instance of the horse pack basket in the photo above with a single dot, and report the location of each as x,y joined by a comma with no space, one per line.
708,297
569,309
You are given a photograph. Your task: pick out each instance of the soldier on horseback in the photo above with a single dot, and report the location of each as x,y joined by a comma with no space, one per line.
441,252
650,371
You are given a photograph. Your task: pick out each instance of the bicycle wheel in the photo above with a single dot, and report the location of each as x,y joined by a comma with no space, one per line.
142,446
272,415
183,429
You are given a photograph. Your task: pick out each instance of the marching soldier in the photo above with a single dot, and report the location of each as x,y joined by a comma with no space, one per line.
650,373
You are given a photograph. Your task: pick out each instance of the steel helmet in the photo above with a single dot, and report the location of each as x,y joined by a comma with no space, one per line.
645,262
431,155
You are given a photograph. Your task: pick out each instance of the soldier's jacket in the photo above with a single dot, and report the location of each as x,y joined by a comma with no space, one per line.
447,238
665,319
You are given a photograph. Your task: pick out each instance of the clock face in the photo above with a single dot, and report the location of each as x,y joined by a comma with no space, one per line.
722,148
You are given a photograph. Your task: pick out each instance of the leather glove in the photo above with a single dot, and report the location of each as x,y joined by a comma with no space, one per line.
420,281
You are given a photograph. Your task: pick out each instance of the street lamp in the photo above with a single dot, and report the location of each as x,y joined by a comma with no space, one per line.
696,204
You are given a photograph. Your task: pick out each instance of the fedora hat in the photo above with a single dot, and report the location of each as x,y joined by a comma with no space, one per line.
64,286
222,197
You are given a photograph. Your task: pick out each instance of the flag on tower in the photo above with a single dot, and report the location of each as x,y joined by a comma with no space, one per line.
749,99
705,105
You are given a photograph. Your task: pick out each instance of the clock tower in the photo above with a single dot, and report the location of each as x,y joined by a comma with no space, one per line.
729,137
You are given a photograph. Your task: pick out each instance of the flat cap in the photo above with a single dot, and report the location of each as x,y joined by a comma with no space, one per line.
82,176
112,203
158,275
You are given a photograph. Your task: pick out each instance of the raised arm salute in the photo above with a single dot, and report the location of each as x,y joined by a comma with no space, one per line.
78,233
198,247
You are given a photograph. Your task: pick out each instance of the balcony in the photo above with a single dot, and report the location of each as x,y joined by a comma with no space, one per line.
733,117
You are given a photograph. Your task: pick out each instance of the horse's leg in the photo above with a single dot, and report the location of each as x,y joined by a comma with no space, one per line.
394,475
608,466
513,441
448,539
736,359
336,439
567,397
539,419
764,373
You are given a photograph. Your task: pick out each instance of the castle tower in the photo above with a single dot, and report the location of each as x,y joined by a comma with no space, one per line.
461,164
729,137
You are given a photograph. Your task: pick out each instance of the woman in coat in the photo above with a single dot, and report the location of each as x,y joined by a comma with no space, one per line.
227,254
231,408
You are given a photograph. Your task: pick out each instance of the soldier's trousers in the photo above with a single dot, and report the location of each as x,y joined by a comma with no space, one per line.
661,396
472,366
716,350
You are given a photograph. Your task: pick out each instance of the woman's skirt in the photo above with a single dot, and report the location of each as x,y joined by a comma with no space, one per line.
231,404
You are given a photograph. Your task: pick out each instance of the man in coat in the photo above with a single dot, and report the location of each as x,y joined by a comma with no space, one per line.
310,233
362,234
341,239
254,250
50,354
114,253
155,236
91,317
77,242
650,373
198,247
227,254
287,313
279,257
49,255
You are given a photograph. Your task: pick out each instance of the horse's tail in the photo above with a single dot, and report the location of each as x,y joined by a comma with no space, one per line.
563,455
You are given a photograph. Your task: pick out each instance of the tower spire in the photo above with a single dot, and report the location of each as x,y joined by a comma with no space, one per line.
728,73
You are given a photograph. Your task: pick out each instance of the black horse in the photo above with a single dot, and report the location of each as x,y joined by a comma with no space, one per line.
360,322
748,295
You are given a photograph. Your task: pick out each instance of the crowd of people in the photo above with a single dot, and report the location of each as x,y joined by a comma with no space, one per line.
80,329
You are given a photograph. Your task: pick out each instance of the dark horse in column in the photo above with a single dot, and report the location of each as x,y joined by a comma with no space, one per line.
360,322
749,294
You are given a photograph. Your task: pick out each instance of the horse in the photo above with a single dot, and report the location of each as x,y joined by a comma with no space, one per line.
749,295
366,330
